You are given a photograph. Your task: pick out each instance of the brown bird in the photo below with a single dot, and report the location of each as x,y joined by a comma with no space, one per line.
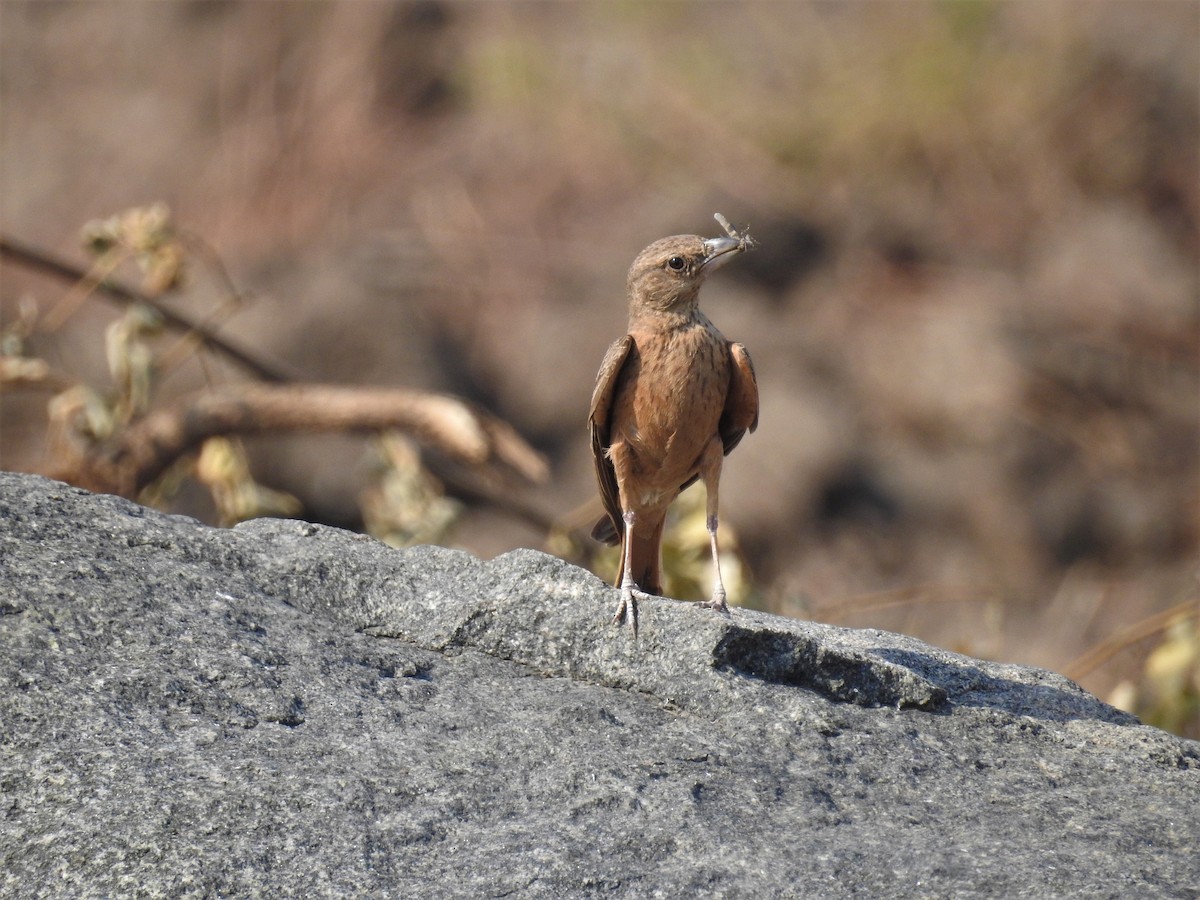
672,398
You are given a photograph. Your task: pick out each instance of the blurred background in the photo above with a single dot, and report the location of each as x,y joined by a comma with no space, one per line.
975,312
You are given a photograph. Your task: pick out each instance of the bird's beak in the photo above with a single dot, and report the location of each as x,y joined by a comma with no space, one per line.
718,251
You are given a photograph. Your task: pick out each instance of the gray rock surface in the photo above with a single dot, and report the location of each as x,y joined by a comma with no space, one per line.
283,709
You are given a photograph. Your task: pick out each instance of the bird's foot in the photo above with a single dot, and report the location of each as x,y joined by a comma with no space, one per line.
627,607
718,603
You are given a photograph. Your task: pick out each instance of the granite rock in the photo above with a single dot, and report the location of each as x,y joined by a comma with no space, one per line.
284,709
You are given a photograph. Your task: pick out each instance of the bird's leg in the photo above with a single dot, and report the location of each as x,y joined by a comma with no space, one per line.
630,594
710,474
718,595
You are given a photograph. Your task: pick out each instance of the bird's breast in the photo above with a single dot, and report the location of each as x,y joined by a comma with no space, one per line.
669,405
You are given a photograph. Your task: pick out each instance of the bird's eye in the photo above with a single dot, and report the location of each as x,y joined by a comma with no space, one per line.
677,263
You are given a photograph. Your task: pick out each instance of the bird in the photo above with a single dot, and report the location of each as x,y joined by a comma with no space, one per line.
673,397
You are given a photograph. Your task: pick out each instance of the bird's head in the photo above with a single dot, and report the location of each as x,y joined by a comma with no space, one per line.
667,275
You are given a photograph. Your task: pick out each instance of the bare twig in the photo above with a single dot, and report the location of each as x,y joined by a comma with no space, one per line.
44,262
1127,637
70,303
144,450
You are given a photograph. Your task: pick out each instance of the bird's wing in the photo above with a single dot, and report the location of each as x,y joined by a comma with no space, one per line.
610,528
741,403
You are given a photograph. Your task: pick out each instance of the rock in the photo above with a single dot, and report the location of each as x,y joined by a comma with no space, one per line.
283,709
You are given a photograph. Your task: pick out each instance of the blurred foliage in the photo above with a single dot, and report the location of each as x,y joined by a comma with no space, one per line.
147,235
131,363
222,467
1167,692
143,234
82,416
405,505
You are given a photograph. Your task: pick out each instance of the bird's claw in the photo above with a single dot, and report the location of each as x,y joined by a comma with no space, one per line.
627,608
719,604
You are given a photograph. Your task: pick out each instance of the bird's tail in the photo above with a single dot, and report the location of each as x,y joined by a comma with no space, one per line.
607,531
645,555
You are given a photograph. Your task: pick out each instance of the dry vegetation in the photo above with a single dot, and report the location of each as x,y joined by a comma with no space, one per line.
974,313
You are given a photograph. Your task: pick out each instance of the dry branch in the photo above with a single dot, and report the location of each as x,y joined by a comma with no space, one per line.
143,451
44,262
